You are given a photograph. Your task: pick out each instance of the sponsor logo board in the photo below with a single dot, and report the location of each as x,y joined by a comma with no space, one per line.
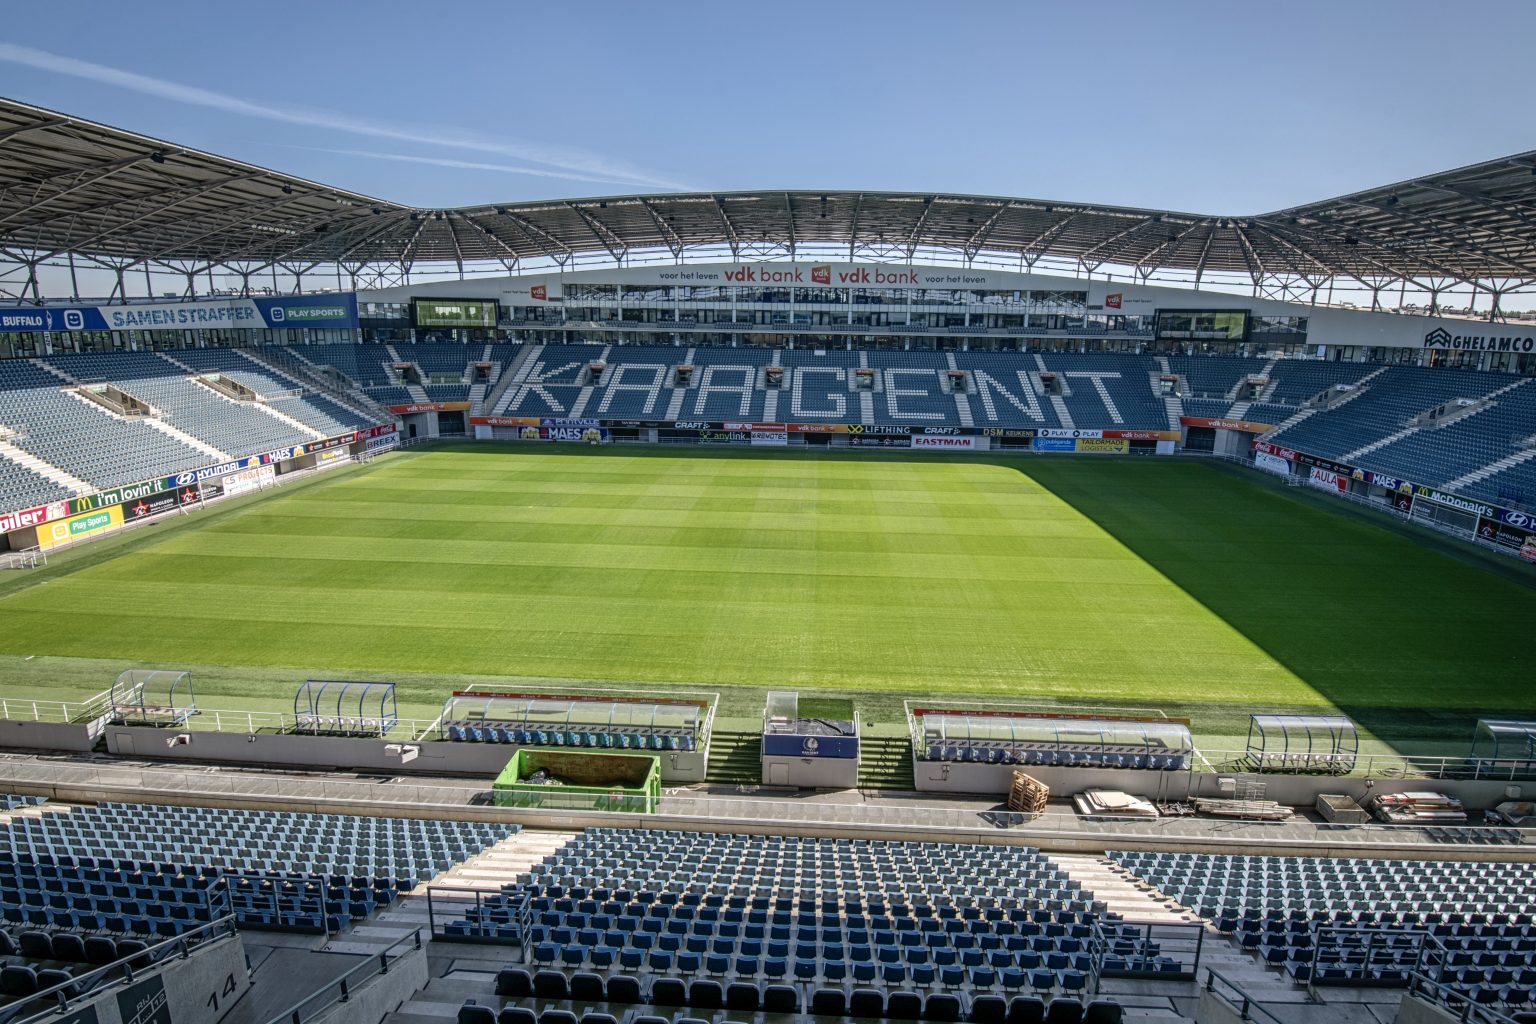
1062,432
1247,426
1328,480
1279,451
415,407
153,505
76,527
945,441
248,480
1103,445
770,438
28,517
1054,444
1271,463
1444,339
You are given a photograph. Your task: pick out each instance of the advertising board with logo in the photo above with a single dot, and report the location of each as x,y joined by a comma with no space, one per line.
810,746
879,441
1103,445
1054,444
153,505
931,441
29,517
78,527
1247,426
248,480
334,457
415,407
1271,463
1328,480
1064,432
378,430
338,310
382,443
1278,451
770,438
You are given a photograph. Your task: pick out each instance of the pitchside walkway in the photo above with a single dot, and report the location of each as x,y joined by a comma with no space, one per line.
876,814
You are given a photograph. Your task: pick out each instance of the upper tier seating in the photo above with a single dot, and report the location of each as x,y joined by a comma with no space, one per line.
1213,376
234,428
367,365
81,438
1384,406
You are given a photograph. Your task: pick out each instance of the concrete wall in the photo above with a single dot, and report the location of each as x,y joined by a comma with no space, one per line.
1415,1010
197,990
358,753
78,737
382,993
1295,790
811,772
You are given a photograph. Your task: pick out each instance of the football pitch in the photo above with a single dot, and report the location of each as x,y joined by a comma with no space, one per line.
1147,583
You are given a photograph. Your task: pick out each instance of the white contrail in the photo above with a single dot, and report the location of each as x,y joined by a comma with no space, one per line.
473,165
591,166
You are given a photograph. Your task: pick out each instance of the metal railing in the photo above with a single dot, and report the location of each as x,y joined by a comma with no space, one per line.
1222,987
727,811
83,988
340,991
448,905
1362,957
1168,950
1455,1002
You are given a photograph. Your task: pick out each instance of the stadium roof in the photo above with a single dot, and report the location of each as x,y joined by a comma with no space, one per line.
72,186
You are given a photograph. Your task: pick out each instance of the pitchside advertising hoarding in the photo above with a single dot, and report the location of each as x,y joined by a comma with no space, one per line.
197,483
338,310
79,527
1503,526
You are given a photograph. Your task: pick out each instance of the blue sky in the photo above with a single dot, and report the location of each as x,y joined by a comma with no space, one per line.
1226,108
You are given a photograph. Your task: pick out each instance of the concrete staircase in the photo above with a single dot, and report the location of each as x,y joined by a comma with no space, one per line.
513,375
584,396
1484,472
1309,412
1056,401
1121,892
501,864
46,470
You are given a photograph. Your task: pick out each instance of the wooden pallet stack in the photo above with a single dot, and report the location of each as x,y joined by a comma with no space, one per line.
1027,795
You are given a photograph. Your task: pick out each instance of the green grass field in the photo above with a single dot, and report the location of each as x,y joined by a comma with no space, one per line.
1148,583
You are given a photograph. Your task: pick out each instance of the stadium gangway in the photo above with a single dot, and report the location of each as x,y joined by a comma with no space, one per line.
463,914
1359,957
332,993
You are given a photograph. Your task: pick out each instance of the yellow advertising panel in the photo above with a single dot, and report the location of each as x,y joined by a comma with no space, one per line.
75,527
1104,445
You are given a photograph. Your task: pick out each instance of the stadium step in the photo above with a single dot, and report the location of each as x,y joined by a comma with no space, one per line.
735,758
502,863
885,762
1121,893
47,470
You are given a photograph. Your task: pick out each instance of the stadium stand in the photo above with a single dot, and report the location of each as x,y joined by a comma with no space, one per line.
1213,376
1385,405
81,438
1315,914
835,926
157,869
234,428
1376,424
